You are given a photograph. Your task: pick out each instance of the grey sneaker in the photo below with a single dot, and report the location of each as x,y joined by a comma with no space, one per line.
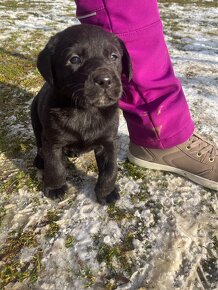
196,159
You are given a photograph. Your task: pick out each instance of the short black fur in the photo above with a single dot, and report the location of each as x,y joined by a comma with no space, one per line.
76,110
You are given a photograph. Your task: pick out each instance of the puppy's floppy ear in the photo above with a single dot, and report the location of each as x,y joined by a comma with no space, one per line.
44,61
126,61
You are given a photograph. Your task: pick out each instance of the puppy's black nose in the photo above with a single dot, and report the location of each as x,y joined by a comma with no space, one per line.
103,81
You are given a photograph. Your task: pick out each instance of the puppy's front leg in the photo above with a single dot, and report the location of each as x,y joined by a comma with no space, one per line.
106,158
54,171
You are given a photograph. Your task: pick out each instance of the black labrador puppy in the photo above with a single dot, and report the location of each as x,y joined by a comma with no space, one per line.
76,110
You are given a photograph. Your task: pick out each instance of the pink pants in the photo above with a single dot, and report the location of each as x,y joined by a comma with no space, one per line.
153,103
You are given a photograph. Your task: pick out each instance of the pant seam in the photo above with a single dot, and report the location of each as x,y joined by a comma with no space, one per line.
138,29
149,115
109,20
92,11
127,33
188,125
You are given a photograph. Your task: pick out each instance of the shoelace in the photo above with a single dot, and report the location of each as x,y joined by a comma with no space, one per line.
205,147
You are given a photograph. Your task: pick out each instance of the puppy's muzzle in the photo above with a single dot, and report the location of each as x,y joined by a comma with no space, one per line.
103,87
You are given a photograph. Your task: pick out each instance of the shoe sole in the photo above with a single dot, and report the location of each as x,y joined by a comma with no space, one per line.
151,165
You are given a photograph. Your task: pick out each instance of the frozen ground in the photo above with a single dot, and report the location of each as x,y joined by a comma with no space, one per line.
163,233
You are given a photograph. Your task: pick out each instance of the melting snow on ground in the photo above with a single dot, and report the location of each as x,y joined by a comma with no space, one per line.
163,232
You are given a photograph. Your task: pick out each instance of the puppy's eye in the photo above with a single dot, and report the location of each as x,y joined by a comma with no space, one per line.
75,59
114,56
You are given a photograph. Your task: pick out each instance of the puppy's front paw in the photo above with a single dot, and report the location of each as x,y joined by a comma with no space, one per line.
57,193
111,197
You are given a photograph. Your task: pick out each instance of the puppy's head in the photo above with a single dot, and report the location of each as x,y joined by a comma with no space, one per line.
84,64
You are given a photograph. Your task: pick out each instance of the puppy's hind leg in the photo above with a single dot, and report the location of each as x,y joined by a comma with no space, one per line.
37,129
105,189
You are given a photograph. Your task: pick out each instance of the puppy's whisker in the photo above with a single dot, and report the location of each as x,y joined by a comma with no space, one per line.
75,98
76,93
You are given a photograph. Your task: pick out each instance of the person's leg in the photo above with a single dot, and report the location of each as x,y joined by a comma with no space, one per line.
154,105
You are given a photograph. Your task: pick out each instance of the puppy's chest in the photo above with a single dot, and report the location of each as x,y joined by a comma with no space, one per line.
79,126
86,126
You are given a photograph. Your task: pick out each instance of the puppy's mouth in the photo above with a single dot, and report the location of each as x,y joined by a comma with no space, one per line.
105,98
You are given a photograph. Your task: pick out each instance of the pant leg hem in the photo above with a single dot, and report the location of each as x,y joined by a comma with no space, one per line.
177,139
